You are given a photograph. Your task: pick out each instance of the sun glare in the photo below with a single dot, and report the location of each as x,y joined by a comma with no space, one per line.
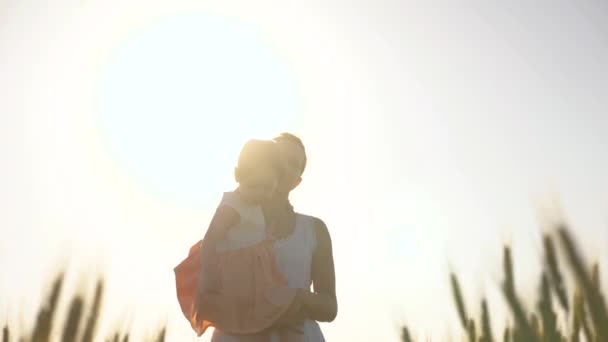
176,100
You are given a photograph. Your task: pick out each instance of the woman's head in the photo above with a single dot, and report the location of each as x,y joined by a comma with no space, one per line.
293,151
259,170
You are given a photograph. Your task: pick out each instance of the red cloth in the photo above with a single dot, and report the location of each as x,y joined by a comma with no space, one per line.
252,294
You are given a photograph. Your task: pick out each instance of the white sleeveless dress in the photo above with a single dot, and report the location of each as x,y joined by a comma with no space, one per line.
293,256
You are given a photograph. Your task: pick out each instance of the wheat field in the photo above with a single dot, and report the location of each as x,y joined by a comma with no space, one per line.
79,324
559,313
582,310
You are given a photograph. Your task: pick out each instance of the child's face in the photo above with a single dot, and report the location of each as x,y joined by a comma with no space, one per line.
259,185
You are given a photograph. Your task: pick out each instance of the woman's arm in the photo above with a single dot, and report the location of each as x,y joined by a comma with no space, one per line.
321,305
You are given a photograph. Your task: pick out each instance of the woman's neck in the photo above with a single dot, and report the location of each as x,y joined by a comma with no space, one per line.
279,203
279,213
245,199
277,206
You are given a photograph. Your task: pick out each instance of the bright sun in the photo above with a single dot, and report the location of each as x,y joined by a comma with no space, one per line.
177,99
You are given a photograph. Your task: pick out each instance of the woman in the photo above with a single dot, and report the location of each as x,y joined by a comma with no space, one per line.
304,256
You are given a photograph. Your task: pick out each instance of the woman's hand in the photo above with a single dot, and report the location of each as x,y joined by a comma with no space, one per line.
293,318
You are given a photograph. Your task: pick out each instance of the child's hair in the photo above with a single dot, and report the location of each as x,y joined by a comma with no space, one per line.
258,152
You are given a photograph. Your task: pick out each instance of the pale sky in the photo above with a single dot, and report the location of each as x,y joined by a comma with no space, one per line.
434,134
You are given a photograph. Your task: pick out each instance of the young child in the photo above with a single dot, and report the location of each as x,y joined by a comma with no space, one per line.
230,280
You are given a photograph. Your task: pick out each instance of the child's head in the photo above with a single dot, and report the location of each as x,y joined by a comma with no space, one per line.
259,170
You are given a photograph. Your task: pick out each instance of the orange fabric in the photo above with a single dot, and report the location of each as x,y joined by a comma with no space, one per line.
186,284
252,293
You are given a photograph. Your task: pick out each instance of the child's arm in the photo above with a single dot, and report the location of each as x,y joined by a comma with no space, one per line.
224,218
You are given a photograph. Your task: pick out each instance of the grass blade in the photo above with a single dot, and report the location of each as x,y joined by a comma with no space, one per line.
89,330
522,326
5,334
592,295
556,277
70,330
576,319
471,331
462,312
486,328
405,335
45,320
161,335
549,320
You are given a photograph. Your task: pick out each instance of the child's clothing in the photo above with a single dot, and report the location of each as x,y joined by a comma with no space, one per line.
251,293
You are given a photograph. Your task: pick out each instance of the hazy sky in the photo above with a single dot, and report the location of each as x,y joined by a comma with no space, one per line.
434,134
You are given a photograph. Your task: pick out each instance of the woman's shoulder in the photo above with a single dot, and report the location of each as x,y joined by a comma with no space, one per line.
311,222
315,228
